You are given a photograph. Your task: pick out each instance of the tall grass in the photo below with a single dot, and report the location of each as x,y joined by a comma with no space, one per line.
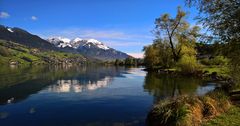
188,110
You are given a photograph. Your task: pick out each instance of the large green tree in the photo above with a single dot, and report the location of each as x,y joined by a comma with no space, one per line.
175,31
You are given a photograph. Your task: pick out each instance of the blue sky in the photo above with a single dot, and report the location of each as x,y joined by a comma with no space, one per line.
122,24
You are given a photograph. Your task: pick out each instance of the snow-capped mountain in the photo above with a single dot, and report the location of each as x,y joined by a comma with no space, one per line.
60,42
76,43
89,47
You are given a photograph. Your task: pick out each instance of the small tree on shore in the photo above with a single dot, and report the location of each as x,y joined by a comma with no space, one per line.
175,40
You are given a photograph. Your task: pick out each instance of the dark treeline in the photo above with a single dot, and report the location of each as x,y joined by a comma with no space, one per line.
130,61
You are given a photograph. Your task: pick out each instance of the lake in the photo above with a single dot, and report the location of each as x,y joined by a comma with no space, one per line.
86,95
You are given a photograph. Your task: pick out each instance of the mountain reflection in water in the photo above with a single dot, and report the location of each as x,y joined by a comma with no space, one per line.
78,86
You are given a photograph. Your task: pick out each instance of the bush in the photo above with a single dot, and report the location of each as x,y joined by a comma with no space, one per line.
188,64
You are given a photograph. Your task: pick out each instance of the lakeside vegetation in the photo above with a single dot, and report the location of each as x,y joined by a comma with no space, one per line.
181,48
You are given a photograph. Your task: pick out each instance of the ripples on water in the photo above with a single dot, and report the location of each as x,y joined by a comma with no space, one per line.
80,96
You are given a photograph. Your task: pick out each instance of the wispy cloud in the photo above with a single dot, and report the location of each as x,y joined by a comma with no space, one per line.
4,15
34,18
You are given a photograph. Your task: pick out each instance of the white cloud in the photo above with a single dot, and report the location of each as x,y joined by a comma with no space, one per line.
34,18
4,15
136,55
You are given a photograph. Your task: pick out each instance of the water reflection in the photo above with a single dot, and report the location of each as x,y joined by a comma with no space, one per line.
16,84
78,86
86,95
164,86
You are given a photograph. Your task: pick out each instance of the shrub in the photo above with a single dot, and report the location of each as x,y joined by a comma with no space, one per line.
188,64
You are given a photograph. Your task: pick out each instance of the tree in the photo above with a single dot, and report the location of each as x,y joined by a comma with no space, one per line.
150,58
222,18
188,61
173,35
171,27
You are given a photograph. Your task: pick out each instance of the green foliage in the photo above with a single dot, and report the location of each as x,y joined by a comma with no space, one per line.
158,54
222,18
188,64
169,28
175,41
188,61
151,56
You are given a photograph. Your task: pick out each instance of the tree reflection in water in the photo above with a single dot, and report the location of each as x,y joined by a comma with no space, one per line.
164,86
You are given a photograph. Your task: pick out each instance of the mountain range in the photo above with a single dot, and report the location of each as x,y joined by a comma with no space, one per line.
90,48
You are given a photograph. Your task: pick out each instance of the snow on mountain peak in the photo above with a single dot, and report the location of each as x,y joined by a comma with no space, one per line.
60,41
57,39
9,29
94,41
66,40
98,44
77,39
76,43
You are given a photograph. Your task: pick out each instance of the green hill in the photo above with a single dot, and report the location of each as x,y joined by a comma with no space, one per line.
12,53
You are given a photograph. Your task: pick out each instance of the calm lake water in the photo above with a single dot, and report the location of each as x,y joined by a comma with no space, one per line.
86,96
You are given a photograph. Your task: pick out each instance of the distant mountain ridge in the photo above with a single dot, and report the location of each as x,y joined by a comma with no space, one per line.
90,48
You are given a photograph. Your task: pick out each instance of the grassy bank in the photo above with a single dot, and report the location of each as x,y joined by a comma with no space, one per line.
189,110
